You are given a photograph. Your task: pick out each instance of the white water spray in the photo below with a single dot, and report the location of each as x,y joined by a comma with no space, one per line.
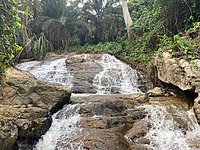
63,129
51,71
116,77
167,133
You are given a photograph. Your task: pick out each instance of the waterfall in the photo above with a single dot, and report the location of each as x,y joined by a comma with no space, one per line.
171,128
54,71
62,130
116,77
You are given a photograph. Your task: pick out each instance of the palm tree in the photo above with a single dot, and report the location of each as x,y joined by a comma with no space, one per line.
104,17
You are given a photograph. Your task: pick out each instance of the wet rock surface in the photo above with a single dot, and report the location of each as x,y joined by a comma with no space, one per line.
22,89
26,105
8,134
83,67
117,121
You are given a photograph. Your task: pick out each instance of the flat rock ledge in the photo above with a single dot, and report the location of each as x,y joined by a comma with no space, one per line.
26,106
180,73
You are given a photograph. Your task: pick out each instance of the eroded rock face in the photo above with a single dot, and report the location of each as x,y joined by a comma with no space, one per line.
26,105
180,73
8,134
174,71
83,68
32,122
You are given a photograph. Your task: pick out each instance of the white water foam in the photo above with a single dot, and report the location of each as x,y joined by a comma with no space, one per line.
167,134
63,129
116,77
51,71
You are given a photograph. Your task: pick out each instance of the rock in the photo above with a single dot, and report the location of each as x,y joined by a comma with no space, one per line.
8,135
179,102
156,91
31,121
26,105
1,92
197,108
139,147
174,71
110,108
138,130
128,100
114,124
22,89
108,118
97,140
180,73
93,123
136,113
84,68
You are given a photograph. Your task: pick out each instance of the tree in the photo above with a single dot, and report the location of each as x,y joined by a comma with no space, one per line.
9,21
127,18
104,19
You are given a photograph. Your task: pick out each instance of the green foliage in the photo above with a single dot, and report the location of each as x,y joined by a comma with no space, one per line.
194,29
184,45
9,20
53,30
58,24
36,48
53,8
179,46
107,47
121,47
154,22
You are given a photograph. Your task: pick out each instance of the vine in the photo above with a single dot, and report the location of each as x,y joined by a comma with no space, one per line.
9,20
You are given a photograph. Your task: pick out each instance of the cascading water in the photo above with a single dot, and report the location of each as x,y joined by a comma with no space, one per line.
116,77
62,130
51,71
171,128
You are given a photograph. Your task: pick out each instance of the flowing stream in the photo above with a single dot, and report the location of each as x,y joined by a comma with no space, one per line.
54,71
171,128
62,130
116,77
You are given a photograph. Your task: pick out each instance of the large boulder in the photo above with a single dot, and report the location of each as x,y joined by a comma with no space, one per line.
32,122
23,88
84,68
180,73
26,105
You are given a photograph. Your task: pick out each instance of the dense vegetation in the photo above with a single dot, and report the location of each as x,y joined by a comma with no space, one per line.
9,22
97,25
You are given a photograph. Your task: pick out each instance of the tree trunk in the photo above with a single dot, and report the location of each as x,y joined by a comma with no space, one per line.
127,18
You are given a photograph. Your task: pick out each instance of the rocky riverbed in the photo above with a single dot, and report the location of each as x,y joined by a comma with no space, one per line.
122,121
32,109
